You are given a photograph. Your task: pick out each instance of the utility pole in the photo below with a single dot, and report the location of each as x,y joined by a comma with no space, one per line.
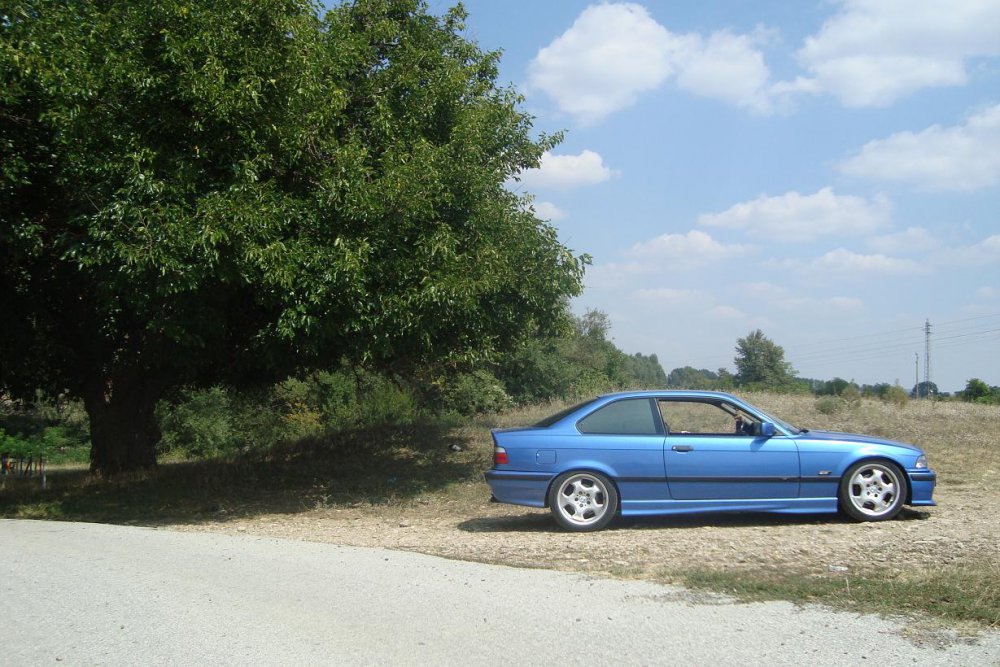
927,357
916,375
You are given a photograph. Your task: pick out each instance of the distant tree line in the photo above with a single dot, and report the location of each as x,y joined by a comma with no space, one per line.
977,391
760,365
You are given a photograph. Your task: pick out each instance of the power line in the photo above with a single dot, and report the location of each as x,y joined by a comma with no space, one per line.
880,345
914,329
857,349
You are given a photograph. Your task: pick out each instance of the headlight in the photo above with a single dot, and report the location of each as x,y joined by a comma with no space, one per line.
921,461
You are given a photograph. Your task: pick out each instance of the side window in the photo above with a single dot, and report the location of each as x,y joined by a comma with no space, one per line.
632,416
705,418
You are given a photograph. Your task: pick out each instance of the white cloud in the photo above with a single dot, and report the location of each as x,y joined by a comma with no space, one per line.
986,251
913,240
548,211
872,52
987,292
667,296
845,261
962,157
795,217
564,172
726,313
684,251
725,67
610,54
845,303
776,297
614,52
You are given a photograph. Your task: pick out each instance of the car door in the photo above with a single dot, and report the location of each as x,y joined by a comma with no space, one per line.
625,438
713,451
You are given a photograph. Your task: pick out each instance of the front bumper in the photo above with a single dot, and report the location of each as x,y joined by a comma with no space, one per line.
922,485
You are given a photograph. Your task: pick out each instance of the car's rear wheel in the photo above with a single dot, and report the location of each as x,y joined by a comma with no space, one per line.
872,491
582,501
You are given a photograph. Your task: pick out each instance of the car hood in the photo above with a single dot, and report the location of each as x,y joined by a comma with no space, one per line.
855,438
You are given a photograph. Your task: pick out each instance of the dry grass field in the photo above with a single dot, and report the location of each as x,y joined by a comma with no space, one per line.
407,488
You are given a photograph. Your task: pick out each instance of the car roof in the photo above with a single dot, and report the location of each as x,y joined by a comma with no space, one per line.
653,393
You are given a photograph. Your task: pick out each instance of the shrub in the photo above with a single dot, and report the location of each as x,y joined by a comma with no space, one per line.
851,396
828,405
897,396
199,424
474,393
384,401
57,430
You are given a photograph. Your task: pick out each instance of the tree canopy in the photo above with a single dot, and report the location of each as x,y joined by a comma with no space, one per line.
760,362
230,190
977,391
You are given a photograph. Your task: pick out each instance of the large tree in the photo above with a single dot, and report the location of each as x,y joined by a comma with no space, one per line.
195,191
760,362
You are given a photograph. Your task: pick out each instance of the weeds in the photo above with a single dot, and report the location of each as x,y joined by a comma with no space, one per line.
958,594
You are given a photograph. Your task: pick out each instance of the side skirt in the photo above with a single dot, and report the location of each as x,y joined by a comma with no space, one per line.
782,505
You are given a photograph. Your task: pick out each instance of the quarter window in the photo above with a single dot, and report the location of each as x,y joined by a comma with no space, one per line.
626,417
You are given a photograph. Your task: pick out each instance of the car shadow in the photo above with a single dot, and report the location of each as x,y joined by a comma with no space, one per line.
544,523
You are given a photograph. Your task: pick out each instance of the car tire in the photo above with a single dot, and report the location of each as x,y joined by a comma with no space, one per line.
872,491
583,501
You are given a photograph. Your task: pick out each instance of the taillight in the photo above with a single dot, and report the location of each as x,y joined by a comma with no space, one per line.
499,456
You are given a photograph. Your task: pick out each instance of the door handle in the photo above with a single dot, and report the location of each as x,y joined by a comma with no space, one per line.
682,448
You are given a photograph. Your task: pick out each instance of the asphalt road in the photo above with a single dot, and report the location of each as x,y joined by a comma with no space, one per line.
79,594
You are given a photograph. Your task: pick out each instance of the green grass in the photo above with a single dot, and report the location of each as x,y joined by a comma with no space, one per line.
960,594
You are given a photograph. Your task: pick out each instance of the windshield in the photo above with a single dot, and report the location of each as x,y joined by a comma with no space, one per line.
779,423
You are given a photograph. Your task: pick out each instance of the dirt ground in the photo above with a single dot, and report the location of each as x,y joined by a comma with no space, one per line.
961,440
465,526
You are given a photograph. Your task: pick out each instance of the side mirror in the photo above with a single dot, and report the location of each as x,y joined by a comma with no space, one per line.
767,430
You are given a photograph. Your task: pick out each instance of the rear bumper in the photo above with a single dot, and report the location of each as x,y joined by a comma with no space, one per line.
519,488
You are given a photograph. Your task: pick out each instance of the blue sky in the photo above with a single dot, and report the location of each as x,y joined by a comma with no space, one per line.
827,171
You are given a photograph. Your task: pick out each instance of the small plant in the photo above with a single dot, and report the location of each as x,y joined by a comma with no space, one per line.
829,405
897,396
851,396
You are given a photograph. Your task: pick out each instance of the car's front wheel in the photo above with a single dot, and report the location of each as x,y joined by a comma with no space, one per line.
582,501
872,491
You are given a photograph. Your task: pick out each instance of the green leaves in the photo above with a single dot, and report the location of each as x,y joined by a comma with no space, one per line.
234,189
760,363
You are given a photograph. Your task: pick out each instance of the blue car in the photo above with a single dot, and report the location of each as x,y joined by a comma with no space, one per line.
672,452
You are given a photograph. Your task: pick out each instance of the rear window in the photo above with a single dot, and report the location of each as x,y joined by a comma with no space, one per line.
562,414
634,416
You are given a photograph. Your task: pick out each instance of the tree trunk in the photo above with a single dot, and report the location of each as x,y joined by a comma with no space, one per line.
123,427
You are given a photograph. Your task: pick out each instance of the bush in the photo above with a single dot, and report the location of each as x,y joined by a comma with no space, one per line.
57,430
851,396
384,401
200,424
829,405
897,396
474,393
